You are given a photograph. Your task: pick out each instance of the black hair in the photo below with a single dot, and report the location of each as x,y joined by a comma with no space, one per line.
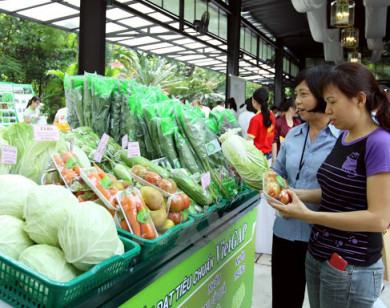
219,102
273,107
261,96
312,77
286,104
232,102
249,105
353,77
33,100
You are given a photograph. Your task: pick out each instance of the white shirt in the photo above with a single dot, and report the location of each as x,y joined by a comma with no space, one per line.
31,114
244,120
205,110
62,115
219,108
234,113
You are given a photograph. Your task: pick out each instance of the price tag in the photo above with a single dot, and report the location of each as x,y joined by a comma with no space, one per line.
101,148
133,149
71,145
205,180
125,141
9,154
46,132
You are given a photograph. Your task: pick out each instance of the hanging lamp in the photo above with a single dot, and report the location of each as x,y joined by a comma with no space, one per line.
342,13
354,56
350,37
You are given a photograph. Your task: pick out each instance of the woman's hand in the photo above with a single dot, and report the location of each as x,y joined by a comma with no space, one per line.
296,209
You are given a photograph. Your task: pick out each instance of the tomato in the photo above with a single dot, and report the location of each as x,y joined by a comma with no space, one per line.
177,204
284,197
273,189
186,201
139,170
270,174
175,217
168,185
152,177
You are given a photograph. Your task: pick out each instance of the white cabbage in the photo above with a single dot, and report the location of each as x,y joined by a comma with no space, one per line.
13,239
45,207
88,236
48,261
14,190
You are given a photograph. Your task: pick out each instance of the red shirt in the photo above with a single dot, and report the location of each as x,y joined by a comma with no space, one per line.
281,129
263,136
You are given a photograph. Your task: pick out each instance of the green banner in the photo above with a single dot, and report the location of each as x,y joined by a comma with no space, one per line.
220,274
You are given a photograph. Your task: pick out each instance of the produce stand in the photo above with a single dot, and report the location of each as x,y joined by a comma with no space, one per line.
145,283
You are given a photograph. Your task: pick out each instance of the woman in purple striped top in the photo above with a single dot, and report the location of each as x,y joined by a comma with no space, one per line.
343,263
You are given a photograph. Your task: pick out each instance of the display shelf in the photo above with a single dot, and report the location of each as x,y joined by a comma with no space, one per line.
145,272
7,105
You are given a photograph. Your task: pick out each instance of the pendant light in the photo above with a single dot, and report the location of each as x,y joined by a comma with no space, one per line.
342,13
350,37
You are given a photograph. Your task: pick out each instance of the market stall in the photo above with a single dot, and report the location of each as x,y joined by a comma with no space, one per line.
141,189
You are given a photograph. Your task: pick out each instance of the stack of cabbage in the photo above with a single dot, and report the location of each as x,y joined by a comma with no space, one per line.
46,228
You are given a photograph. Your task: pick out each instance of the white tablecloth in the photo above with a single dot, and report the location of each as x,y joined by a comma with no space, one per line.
264,225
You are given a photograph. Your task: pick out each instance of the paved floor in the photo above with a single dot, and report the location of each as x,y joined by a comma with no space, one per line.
262,286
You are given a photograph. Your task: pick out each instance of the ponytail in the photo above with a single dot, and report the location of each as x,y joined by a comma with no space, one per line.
266,115
383,111
261,96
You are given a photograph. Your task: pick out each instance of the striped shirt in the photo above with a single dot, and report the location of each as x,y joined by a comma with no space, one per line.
343,181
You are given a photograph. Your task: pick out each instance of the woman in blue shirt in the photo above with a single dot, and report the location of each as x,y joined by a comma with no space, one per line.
305,148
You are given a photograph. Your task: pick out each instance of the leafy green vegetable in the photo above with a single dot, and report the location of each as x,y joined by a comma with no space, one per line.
13,239
4,168
249,162
48,261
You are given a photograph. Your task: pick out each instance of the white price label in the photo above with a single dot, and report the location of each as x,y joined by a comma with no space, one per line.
101,148
9,154
46,132
125,141
213,147
205,180
71,145
133,149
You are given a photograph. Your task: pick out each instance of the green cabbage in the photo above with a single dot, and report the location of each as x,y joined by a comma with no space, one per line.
44,209
48,261
14,190
18,135
13,239
37,156
88,236
249,162
4,168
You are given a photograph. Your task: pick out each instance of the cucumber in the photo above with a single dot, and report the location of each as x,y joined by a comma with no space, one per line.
139,160
121,171
191,188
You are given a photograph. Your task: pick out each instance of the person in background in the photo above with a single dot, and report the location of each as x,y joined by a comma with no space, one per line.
344,268
245,117
303,151
31,114
231,104
275,110
182,101
283,124
220,106
61,119
206,110
262,126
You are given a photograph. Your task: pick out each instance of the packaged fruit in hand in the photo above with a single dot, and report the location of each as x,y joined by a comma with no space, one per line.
276,187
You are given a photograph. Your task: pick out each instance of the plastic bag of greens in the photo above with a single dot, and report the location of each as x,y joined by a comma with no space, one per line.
150,115
77,83
186,154
87,99
166,129
70,101
247,160
125,123
115,111
151,152
101,102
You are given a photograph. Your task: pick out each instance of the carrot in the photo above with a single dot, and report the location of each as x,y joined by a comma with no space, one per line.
60,163
129,207
76,167
94,177
124,225
66,156
81,199
106,193
100,172
69,175
147,230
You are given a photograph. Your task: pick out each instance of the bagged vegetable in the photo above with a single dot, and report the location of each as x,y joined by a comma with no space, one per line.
13,239
249,162
48,261
14,190
95,230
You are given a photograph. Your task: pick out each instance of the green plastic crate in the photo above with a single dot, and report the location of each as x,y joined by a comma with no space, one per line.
162,243
20,286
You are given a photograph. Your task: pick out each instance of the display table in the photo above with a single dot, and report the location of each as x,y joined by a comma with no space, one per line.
211,266
264,231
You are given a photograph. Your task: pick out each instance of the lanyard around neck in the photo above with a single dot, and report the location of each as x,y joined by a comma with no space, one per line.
301,162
